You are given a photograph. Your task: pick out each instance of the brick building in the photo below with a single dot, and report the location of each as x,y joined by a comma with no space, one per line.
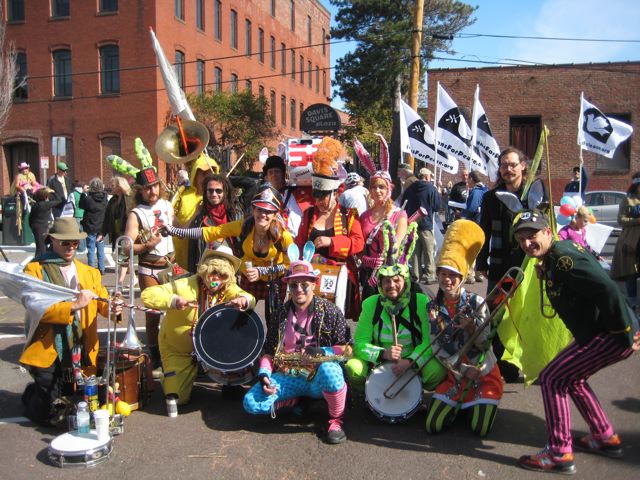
92,76
520,100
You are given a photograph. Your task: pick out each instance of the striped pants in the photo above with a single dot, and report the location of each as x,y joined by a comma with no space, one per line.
566,376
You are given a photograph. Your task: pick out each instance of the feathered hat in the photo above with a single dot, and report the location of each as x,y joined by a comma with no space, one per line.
367,162
396,260
460,247
146,175
325,165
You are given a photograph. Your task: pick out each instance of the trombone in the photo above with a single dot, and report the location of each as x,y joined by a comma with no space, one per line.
496,299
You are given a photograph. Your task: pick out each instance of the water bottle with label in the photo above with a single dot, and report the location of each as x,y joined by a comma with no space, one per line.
83,418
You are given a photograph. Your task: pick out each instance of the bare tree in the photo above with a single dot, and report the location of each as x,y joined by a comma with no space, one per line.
8,72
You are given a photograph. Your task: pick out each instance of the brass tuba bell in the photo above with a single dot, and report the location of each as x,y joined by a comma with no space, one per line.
170,147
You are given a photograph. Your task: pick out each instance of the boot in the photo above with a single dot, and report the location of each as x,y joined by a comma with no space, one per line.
156,363
336,403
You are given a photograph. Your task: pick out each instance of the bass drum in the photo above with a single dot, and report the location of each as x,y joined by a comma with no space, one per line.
405,403
229,341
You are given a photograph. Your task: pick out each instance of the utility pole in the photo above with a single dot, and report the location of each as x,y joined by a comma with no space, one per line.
416,43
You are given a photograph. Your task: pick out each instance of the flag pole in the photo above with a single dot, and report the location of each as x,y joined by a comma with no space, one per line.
580,120
435,137
474,124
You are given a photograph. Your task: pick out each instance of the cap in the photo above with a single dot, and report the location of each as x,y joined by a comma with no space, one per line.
62,166
301,269
267,198
274,161
425,172
529,219
405,166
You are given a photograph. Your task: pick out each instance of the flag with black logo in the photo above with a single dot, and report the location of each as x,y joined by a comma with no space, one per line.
599,133
485,144
416,137
453,132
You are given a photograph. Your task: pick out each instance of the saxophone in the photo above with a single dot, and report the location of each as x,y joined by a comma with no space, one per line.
299,365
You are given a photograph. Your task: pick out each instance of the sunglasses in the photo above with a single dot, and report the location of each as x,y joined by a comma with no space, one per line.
218,191
70,243
293,286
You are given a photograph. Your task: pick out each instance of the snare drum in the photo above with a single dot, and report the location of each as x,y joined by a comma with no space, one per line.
229,341
333,285
76,450
133,373
405,403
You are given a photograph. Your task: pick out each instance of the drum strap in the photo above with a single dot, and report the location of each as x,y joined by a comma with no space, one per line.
413,324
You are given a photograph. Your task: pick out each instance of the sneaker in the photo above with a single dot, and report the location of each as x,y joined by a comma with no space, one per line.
470,280
335,434
480,277
611,447
546,461
157,373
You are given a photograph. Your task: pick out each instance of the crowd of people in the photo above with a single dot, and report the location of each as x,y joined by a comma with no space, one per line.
223,253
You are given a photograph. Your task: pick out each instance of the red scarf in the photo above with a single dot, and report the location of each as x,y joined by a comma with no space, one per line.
217,214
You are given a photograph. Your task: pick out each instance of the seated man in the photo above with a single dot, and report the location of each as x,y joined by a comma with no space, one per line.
62,347
374,340
304,327
185,300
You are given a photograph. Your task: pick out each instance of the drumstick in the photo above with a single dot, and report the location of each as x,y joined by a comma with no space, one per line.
395,329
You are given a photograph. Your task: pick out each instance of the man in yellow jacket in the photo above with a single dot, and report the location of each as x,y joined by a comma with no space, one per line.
64,345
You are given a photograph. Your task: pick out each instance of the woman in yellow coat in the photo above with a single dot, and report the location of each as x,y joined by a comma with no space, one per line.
185,300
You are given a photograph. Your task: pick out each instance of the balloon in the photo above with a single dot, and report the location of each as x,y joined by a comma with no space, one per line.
577,199
567,200
567,210
563,220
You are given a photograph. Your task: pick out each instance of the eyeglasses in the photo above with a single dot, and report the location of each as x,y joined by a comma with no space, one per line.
293,286
217,274
512,166
70,243
218,191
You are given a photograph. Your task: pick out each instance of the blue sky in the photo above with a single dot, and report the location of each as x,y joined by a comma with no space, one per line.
612,19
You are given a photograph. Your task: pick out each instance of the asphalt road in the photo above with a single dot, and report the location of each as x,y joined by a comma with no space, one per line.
214,438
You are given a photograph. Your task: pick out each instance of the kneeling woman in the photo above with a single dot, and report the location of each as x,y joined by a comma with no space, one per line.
185,300
306,326
473,383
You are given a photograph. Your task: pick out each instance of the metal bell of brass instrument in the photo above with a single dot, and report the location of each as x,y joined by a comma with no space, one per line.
124,257
170,146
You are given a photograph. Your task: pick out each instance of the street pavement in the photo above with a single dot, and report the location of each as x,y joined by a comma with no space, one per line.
213,437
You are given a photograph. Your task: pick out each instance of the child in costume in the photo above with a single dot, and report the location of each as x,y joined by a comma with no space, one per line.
473,383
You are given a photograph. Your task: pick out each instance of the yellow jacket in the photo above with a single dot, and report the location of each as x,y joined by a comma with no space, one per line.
41,351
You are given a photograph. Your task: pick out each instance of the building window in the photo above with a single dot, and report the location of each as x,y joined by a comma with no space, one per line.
200,14
21,91
110,69
272,61
234,29
247,38
261,91
179,68
217,79
178,9
200,75
293,16
301,110
109,145
301,69
234,83
261,45
293,113
324,45
15,11
108,6
283,59
283,110
309,39
217,20
317,79
60,8
272,105
309,75
324,83
273,8
293,64
622,155
248,86
62,73
524,133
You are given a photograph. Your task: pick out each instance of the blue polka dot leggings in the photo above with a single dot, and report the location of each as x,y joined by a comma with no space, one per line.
329,378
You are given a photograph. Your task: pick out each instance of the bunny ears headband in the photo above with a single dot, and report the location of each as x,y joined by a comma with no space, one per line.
145,175
367,161
301,268
396,260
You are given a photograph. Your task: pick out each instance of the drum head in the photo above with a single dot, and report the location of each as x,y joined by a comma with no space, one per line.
227,339
404,404
77,444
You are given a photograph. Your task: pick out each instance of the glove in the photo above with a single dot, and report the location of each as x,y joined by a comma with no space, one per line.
373,281
372,262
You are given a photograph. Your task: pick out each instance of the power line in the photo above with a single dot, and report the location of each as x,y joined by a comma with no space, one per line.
564,39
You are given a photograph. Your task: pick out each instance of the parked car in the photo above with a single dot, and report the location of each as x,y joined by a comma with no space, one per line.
604,204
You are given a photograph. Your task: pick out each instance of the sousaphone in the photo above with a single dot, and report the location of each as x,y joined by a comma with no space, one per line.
171,148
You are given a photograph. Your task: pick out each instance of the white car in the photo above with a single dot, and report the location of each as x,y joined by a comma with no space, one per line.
604,204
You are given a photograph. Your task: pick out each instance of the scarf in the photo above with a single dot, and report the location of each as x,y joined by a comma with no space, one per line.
217,214
397,307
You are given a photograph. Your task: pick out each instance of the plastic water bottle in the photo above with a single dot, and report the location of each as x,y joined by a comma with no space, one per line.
83,417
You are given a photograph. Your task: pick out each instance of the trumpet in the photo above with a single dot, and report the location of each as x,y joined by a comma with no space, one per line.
496,299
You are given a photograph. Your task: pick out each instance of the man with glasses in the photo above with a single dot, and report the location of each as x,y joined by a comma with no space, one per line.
61,185
306,326
64,346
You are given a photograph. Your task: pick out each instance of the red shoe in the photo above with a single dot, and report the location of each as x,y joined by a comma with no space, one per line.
611,447
546,461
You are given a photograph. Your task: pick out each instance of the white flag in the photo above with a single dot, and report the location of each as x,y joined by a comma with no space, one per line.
485,144
177,98
454,135
422,141
598,133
